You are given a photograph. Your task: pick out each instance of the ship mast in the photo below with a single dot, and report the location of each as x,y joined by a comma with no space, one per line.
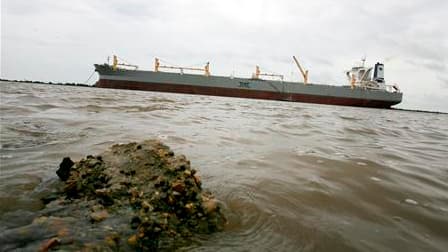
363,60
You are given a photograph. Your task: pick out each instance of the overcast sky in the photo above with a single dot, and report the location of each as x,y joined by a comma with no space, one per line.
55,40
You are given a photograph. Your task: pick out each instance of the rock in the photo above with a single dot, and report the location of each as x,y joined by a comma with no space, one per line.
49,244
92,162
102,192
145,205
50,197
40,220
190,208
135,222
132,240
197,179
63,232
99,216
210,205
178,186
142,191
97,208
64,168
112,240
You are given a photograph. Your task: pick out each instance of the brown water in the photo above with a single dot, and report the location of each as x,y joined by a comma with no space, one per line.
292,176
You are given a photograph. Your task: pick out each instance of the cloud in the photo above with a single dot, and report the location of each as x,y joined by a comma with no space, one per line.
443,80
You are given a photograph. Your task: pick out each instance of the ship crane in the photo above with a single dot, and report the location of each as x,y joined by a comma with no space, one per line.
115,64
206,68
304,72
258,73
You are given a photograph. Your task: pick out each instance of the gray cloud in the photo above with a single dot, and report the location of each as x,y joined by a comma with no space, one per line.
443,80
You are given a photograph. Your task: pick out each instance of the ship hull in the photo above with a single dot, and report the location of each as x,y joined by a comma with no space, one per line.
244,88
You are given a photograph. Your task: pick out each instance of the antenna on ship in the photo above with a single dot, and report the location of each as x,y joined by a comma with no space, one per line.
363,60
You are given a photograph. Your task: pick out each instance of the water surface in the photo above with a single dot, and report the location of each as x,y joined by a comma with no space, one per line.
292,176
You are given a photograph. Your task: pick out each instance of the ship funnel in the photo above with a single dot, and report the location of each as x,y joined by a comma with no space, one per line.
378,74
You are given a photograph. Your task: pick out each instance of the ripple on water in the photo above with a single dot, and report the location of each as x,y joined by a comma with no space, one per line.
34,133
361,131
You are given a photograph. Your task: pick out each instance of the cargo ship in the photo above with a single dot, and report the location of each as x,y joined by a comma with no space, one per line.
366,85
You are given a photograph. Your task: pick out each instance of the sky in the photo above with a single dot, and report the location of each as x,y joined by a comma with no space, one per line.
54,40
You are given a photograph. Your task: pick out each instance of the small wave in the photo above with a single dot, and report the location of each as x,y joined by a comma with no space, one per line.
349,118
127,109
411,202
361,131
17,110
240,140
161,99
6,156
145,108
27,131
249,220
45,106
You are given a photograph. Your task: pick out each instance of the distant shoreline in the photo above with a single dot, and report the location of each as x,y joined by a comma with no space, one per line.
92,86
420,111
50,83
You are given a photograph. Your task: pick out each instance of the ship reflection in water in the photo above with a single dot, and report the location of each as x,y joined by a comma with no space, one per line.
292,176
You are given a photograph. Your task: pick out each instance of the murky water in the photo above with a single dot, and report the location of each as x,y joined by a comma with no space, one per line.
293,177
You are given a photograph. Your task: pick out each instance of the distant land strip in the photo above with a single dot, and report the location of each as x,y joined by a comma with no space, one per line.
49,83
420,111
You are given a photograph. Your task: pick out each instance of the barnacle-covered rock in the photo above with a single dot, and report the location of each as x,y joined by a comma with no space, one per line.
136,196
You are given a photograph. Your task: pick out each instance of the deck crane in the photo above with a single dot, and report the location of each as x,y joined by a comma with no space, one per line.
115,64
206,68
258,73
304,73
